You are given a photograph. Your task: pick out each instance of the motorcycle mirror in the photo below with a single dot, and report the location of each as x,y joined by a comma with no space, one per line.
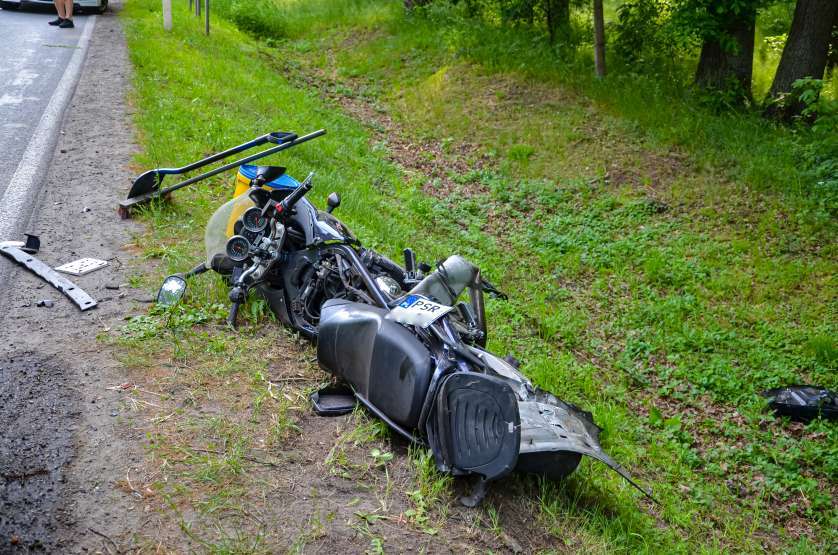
333,201
260,197
172,290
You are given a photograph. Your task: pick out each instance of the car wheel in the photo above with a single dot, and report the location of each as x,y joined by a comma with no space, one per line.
9,5
104,7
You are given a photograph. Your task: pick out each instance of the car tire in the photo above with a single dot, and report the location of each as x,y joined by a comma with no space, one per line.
104,7
9,5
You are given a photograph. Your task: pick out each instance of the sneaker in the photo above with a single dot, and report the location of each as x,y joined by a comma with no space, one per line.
56,21
66,24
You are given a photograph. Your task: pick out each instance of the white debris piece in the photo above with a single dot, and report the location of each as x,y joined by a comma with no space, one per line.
82,266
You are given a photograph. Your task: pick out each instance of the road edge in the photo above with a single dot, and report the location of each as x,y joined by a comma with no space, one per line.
18,200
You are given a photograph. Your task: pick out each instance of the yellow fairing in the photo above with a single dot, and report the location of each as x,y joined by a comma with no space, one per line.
220,225
242,187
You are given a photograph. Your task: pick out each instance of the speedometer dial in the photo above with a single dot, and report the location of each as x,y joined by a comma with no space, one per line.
254,220
238,248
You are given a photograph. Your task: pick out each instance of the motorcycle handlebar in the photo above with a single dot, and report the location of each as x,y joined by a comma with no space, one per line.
288,202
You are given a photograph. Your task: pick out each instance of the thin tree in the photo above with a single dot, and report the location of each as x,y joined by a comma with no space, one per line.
807,48
832,59
599,39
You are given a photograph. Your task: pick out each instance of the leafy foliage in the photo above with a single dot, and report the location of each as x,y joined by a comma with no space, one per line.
644,34
820,151
710,19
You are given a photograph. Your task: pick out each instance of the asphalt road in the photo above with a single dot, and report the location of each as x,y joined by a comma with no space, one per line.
65,442
35,86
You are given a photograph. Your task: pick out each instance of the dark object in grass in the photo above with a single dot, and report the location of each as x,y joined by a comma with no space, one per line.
333,400
803,402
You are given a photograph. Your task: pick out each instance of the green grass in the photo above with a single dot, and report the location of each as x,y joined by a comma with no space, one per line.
664,263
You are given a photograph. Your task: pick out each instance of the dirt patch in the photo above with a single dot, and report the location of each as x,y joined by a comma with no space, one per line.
436,162
587,144
238,456
65,444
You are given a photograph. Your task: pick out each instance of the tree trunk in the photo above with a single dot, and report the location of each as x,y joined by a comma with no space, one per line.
832,60
599,39
558,19
718,67
807,47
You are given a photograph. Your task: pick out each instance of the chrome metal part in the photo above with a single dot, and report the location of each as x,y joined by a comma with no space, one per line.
389,286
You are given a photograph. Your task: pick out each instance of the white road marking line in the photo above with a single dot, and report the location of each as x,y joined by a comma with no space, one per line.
14,99
33,165
24,78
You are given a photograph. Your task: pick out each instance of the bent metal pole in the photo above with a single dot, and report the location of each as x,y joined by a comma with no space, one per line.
126,204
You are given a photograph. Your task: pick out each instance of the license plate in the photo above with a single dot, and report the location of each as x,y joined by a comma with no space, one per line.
417,310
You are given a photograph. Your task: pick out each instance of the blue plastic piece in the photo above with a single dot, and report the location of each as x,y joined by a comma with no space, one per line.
284,181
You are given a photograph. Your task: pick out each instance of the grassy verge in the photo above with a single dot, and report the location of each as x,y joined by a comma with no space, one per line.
662,276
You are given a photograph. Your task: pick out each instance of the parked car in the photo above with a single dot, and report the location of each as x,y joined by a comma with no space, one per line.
78,5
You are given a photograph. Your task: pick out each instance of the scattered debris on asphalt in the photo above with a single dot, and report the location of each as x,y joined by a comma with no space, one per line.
45,303
82,266
12,250
32,244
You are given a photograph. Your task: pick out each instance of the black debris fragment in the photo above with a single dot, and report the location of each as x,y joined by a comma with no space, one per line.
803,402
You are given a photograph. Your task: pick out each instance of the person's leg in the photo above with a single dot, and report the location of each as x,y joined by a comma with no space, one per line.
68,14
59,7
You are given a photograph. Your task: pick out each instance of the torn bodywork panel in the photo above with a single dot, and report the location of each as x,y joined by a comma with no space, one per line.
74,292
555,431
554,434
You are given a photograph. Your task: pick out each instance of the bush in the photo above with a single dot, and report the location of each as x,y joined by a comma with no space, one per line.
261,18
644,35
819,149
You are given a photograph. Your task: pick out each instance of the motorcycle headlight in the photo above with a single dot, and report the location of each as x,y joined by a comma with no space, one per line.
388,286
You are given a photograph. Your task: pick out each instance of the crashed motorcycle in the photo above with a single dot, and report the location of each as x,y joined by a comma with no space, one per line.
406,345
272,240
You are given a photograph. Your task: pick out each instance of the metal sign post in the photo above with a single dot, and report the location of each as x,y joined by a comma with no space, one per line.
206,14
167,15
